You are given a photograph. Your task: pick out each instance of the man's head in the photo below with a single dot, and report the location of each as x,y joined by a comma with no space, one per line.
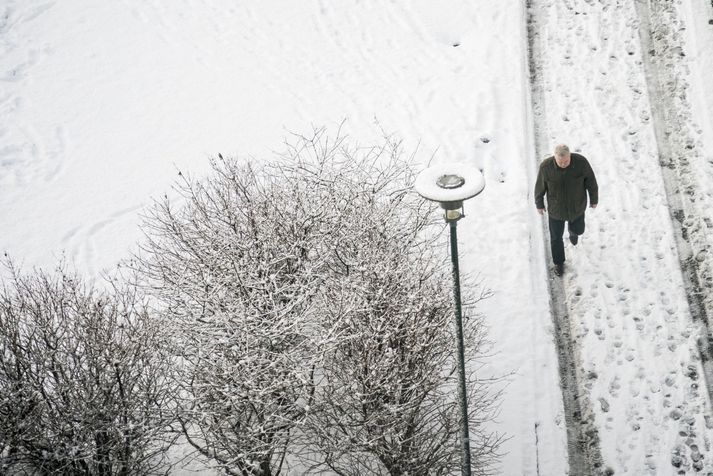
562,156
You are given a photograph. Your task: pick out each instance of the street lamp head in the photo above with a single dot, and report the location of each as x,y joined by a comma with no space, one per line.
450,185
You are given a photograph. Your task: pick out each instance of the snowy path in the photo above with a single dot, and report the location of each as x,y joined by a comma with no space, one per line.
640,368
582,436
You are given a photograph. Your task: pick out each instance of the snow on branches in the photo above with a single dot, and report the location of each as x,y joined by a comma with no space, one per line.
81,388
308,304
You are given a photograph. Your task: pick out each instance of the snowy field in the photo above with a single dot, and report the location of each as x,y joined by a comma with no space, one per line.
102,102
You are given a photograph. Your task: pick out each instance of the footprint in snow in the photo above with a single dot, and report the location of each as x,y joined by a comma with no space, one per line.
634,389
615,386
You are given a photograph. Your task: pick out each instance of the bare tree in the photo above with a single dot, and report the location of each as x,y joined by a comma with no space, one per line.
81,389
386,400
233,269
310,316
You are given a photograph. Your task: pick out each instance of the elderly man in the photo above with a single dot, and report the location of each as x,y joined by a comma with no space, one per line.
566,179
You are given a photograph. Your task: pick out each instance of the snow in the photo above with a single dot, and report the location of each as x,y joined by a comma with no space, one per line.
428,186
102,102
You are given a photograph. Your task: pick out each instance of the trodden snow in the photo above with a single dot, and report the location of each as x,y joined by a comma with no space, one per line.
102,102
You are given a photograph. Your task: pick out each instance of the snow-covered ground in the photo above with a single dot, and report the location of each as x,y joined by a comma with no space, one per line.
617,81
101,103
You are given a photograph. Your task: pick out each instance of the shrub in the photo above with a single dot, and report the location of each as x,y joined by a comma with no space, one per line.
309,305
81,389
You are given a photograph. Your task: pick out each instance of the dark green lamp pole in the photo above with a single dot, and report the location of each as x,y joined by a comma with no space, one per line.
450,185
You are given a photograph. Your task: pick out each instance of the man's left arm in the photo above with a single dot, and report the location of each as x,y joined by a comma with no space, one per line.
590,183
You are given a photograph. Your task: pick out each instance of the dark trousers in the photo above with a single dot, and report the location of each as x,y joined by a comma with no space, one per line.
576,227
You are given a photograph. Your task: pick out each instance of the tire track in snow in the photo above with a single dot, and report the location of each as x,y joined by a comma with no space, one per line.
679,156
686,175
582,438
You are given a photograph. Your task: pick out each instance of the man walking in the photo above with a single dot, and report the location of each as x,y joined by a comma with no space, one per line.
566,179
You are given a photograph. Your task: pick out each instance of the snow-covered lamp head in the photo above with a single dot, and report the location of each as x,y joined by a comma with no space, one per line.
449,185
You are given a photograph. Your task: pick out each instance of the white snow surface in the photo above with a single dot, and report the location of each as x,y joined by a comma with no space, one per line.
102,102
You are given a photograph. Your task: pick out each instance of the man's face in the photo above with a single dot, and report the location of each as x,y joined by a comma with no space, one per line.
563,160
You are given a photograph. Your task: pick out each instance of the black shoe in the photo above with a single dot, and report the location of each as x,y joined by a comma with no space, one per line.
573,238
559,269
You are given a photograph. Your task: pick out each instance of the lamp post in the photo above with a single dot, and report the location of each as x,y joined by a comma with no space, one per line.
450,185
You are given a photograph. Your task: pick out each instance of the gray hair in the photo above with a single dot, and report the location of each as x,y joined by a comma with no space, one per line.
561,150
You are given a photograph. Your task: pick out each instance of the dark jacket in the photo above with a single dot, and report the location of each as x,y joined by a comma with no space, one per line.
567,188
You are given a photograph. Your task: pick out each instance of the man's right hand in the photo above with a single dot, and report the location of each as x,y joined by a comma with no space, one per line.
541,211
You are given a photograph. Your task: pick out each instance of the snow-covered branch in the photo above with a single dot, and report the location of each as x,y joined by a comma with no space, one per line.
309,305
82,390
